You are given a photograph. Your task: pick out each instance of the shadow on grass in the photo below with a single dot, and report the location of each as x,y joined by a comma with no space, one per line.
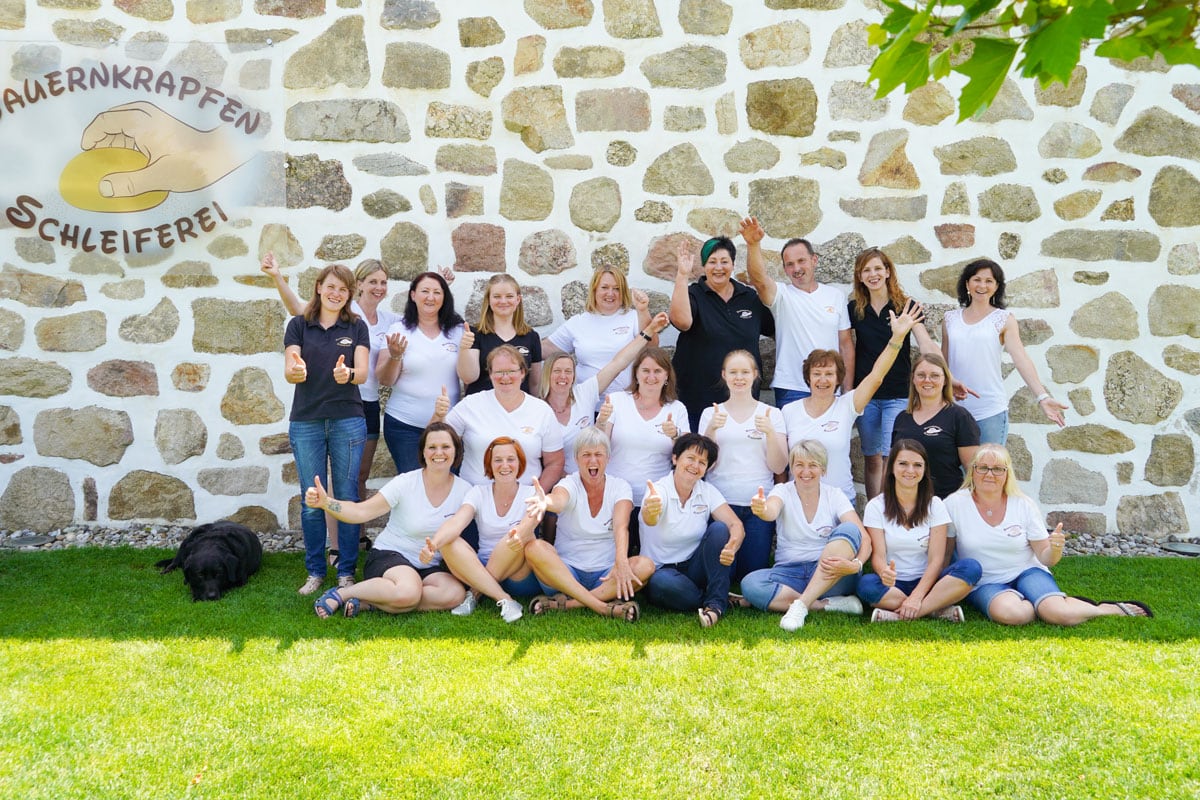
117,594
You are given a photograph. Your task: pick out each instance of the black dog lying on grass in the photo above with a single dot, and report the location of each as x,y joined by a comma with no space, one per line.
215,558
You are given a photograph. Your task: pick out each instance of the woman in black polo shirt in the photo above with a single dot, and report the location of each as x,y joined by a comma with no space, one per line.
715,316
327,355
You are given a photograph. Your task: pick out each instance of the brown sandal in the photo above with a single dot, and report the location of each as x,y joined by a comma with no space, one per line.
709,616
544,602
628,610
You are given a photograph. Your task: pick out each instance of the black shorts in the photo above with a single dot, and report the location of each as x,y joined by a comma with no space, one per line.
371,412
380,561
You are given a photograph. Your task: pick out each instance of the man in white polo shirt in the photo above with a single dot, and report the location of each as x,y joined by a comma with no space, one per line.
808,316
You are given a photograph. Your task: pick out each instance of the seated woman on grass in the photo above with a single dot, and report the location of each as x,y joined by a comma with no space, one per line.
394,581
496,508
909,546
1005,532
588,565
820,544
690,533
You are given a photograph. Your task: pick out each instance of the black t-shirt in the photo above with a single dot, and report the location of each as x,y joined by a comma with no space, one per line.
946,431
320,396
718,327
528,344
871,334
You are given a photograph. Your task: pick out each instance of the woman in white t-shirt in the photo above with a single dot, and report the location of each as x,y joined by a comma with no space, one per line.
753,442
828,418
394,579
506,410
820,544
612,318
972,337
1005,532
643,424
588,564
498,511
909,546
690,533
419,363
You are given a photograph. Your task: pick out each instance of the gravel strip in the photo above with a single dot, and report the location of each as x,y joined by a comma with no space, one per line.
169,536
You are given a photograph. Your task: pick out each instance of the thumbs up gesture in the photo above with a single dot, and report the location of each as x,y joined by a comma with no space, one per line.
887,575
426,554
316,496
719,418
652,503
762,424
441,406
758,503
270,265
1058,539
513,540
606,411
669,429
341,373
468,339
297,370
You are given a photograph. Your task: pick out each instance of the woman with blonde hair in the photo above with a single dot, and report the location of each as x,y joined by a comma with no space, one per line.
501,321
1005,532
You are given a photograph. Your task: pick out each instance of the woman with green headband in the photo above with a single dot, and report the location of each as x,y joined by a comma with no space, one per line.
715,316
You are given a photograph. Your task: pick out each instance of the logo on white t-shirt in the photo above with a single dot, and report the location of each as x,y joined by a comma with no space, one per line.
526,430
755,433
831,426
608,526
700,508
1014,530
829,310
824,531
621,330
450,347
923,541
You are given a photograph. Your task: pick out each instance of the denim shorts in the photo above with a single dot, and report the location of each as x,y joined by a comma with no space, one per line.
590,580
380,561
871,589
1034,584
875,425
993,429
761,586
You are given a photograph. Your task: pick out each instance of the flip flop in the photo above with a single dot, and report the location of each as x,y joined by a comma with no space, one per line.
1127,607
738,601
708,616
322,607
544,602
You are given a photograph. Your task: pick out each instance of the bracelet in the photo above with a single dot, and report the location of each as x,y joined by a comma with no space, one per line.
395,358
645,336
1041,397
352,374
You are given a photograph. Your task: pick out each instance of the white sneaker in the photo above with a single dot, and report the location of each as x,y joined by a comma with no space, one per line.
465,608
883,615
510,610
793,618
951,614
845,603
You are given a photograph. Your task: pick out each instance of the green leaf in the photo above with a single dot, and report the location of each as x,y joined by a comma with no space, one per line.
896,65
1126,48
986,68
973,12
876,35
898,20
1052,51
940,67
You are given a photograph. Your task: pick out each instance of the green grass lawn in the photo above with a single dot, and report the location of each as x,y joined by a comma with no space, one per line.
113,684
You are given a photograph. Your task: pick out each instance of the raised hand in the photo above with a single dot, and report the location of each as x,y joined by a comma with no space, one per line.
1053,410
468,338
1058,539
751,231
341,373
904,322
536,506
641,300
652,503
685,259
606,411
269,265
719,418
297,370
397,343
887,576
660,323
426,554
762,424
758,503
669,428
447,273
441,406
513,540
316,496
728,554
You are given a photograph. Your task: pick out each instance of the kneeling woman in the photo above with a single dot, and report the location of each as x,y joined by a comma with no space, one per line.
820,544
909,547
393,579
497,508
588,565
1006,533
692,555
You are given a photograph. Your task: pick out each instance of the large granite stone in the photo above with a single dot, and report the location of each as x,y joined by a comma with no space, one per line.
123,378
905,209
1069,140
28,377
705,17
1175,198
1156,516
786,207
714,222
479,32
485,75
313,182
39,291
983,155
262,520
337,57
71,333
785,107
1184,259
1174,310
10,426
1009,202
389,165
189,275
230,326
94,434
146,495
412,65
1066,94
179,434
1009,103
907,250
1111,172
886,163
548,252
346,121
38,499
856,101
558,14
1135,391
928,104
688,67
752,155
593,61
409,14
463,200
404,251
1064,481
340,247
537,113
1172,460
595,204
683,118
679,171
1181,358
612,256
526,192
478,247
1077,204
469,159
631,19
1110,101
1157,132
1102,245
612,110
1090,438
250,399
448,121
783,44
234,481
530,52
1072,363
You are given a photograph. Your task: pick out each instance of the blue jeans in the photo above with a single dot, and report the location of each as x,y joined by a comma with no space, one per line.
701,581
994,429
1034,584
871,589
760,587
338,442
785,396
875,425
755,552
402,442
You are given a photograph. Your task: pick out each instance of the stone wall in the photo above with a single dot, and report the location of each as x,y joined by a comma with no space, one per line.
545,137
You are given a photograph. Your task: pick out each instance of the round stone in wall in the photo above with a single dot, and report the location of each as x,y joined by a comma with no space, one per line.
39,499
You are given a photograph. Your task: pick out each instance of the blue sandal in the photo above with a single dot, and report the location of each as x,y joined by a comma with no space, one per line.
328,604
351,608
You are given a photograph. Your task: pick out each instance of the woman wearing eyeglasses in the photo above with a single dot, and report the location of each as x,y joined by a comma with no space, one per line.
1005,532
